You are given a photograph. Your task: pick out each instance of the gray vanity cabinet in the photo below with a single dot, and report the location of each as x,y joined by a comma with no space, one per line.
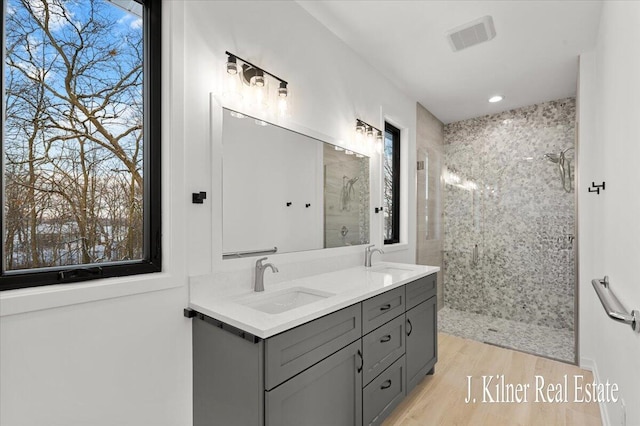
350,367
329,393
422,347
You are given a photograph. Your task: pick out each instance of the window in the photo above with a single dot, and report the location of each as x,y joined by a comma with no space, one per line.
81,140
391,184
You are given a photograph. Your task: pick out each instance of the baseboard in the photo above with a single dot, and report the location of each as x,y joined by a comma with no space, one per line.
590,364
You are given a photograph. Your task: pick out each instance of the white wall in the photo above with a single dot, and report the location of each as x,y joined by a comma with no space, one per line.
330,86
115,351
610,222
118,352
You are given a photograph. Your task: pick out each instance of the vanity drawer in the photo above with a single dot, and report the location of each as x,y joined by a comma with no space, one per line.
383,394
295,350
420,290
382,347
382,308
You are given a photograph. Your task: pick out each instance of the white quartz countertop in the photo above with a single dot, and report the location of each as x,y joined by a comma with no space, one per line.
347,286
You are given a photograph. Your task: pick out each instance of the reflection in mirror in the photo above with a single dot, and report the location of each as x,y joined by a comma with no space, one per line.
284,191
346,197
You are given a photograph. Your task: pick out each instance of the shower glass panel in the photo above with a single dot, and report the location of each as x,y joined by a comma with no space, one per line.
509,229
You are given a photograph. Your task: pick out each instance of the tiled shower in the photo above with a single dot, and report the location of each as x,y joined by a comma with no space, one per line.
509,226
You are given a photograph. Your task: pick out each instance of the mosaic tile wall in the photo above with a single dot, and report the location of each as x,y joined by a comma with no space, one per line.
503,195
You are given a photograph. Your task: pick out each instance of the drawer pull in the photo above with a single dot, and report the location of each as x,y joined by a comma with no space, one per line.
410,327
385,307
386,385
361,361
385,339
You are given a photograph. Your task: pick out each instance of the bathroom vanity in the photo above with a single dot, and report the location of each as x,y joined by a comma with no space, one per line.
341,348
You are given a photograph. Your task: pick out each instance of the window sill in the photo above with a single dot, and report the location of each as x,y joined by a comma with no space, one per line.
20,301
390,248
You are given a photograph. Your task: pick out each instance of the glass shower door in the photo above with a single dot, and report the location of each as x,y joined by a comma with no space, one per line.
463,241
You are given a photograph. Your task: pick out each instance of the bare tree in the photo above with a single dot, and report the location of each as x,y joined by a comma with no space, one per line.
74,134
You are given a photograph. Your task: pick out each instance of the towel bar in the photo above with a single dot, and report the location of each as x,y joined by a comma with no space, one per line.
249,253
612,305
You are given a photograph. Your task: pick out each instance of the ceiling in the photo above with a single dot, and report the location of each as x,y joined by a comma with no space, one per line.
532,59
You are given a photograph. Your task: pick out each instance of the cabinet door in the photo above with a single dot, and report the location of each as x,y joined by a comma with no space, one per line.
422,345
329,393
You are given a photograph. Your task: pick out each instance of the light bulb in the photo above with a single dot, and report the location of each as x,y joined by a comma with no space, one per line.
232,65
258,79
359,128
370,134
282,90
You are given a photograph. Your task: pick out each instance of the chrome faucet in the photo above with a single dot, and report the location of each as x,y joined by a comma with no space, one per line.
367,255
258,282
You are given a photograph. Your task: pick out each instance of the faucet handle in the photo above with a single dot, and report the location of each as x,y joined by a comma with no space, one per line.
259,261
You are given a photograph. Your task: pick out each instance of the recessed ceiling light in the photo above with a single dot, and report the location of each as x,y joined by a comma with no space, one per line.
496,98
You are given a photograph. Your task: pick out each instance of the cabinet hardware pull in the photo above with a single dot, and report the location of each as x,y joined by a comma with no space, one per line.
385,338
361,361
385,307
386,385
410,327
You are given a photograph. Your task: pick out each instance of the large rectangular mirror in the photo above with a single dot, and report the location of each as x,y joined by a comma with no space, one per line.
284,191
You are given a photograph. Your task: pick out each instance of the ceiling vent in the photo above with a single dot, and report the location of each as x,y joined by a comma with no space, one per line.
471,33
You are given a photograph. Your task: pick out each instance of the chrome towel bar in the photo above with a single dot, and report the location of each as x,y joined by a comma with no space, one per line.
249,253
612,305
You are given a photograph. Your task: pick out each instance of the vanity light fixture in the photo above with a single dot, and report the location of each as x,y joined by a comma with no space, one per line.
373,133
255,78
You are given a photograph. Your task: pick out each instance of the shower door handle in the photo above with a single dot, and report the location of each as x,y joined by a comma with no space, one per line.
475,255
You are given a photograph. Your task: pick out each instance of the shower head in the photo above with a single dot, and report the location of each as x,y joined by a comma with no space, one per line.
554,158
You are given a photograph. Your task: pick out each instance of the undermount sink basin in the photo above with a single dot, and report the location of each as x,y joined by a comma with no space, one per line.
389,269
283,300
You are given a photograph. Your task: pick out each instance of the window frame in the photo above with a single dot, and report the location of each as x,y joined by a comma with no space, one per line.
152,260
395,183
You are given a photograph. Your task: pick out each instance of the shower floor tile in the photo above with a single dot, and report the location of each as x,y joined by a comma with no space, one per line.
538,340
